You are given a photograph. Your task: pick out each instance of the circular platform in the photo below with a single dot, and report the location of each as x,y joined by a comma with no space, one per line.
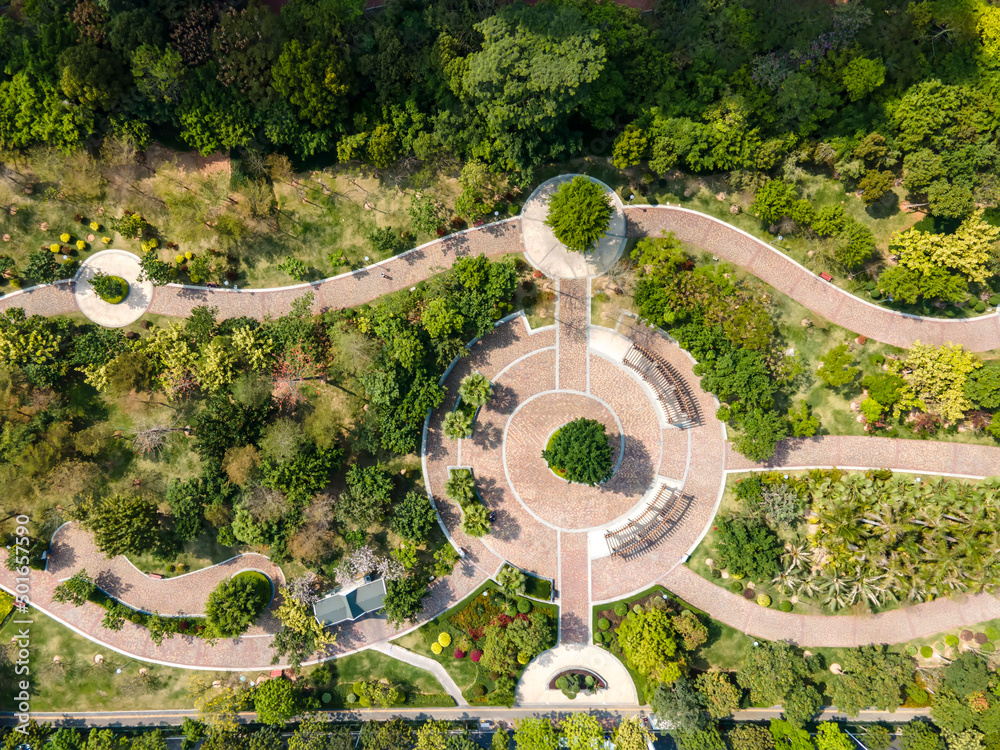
113,263
549,255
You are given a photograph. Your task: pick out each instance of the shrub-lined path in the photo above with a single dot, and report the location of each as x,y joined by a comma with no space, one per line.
713,235
697,457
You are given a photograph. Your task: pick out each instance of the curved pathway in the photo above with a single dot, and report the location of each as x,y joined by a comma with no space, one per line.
73,549
713,235
556,360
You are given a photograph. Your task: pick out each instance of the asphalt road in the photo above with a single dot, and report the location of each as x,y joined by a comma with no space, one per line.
484,713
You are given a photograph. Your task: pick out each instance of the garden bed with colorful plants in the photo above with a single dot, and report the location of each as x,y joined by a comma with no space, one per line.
486,641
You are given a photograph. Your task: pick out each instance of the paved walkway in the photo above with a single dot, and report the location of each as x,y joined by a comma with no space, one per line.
723,240
73,549
859,452
777,269
429,665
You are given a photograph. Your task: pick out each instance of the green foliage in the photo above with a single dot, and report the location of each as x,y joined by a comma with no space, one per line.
42,268
414,517
75,590
475,390
234,604
871,677
835,367
747,548
111,289
581,451
402,600
719,695
648,642
579,214
680,704
121,524
275,702
771,672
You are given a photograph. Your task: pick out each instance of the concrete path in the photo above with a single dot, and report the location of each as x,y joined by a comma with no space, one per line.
723,240
775,268
72,549
897,626
546,253
860,452
533,687
112,263
428,665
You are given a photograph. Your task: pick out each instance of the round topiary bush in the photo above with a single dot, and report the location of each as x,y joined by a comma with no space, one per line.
951,640
523,606
875,294
736,587
111,289
980,638
604,623
785,606
980,306
764,600
621,609
522,658
459,653
598,637
579,214
987,648
479,690
436,647
992,632
580,452
444,639
911,650
749,594
510,609
870,285
352,698
965,635
995,300
878,360
926,651
476,655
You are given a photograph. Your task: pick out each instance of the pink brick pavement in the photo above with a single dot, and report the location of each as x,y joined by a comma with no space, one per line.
928,456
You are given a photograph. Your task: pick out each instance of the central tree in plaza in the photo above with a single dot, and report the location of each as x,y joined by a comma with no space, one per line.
580,452
579,214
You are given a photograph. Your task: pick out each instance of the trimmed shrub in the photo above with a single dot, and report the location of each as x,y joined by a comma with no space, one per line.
987,648
604,623
523,606
878,360
479,690
992,632
980,638
476,655
951,640
876,294
444,639
621,608
637,609
995,300
749,594
926,651
736,587
980,306
522,658
352,698
459,653
764,600
870,285
785,606
911,650
436,647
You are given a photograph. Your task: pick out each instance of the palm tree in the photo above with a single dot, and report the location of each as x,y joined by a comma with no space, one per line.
475,520
475,390
460,487
796,556
786,581
512,580
457,424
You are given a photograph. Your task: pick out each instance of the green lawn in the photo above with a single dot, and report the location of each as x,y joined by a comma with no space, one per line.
420,686
77,684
